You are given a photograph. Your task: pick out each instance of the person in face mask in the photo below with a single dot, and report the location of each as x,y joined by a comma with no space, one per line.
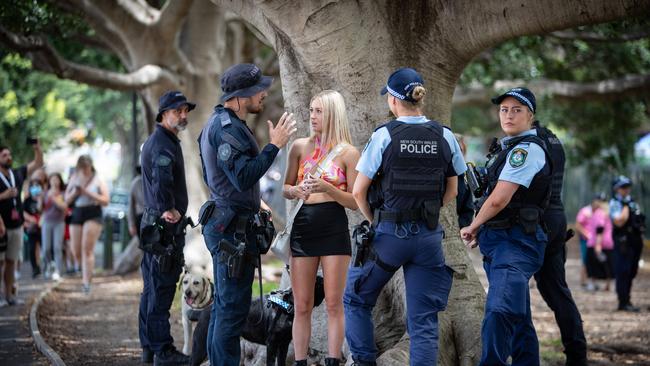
165,203
32,205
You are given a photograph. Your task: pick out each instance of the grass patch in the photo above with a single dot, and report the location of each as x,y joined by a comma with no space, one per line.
550,352
266,287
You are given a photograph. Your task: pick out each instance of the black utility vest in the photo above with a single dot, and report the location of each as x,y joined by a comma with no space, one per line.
554,147
536,195
413,165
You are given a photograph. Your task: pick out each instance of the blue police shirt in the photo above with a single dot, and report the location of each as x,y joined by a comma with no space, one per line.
523,161
163,172
232,161
615,208
370,160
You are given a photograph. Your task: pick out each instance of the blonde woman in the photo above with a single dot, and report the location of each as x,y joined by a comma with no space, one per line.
320,230
88,193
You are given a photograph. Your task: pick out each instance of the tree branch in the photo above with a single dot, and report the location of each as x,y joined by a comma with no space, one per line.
491,22
628,85
140,11
47,59
599,38
173,14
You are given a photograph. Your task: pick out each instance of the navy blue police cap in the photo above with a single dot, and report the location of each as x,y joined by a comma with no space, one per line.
523,95
401,83
243,80
621,181
172,100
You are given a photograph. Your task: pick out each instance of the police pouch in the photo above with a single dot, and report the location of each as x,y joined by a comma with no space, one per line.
206,211
152,233
529,219
431,213
264,230
362,236
233,256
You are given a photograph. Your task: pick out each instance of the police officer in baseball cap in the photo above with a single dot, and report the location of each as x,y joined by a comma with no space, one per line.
629,226
414,162
232,167
165,204
551,278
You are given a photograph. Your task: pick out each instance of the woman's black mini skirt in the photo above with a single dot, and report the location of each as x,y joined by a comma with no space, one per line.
320,229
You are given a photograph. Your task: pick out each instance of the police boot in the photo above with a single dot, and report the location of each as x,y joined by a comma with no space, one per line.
330,361
300,363
170,357
147,355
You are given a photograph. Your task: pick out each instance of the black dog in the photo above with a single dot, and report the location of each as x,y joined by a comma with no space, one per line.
268,324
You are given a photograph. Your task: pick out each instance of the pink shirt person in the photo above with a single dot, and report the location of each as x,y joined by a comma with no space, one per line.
600,218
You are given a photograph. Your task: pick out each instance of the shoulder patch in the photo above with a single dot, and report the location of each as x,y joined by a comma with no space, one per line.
518,157
224,152
163,160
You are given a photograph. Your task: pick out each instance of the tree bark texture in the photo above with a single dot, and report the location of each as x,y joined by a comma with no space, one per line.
352,47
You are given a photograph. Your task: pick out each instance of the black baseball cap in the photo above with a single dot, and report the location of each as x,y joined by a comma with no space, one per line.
172,100
523,95
243,80
401,82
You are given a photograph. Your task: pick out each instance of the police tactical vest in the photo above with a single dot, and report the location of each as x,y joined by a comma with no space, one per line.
556,150
413,165
537,195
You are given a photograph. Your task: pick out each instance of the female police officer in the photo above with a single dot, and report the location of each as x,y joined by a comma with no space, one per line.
416,163
509,232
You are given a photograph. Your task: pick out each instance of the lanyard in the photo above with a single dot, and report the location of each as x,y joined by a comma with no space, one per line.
13,182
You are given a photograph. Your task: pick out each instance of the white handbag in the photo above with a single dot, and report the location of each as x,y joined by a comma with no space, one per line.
281,246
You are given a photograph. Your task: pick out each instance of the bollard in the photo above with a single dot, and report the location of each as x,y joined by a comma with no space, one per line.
125,236
108,243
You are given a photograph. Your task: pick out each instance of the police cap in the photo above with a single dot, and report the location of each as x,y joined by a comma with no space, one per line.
523,95
172,100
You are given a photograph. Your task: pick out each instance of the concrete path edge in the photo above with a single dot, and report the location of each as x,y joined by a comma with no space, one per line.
40,343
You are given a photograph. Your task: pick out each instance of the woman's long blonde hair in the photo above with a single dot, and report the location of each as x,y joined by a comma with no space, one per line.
335,119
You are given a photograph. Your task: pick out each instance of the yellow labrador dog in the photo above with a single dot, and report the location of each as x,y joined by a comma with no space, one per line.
197,291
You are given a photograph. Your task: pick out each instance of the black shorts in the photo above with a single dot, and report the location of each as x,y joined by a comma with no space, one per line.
320,229
85,213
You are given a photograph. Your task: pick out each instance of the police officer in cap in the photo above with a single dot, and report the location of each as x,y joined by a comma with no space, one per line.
414,163
629,226
551,278
232,167
508,228
165,199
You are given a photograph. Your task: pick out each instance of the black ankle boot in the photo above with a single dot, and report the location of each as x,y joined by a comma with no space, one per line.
330,361
300,363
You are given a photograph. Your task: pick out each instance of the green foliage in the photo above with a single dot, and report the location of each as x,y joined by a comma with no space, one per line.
599,132
40,105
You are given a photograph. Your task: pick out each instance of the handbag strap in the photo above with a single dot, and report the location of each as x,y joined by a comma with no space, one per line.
315,172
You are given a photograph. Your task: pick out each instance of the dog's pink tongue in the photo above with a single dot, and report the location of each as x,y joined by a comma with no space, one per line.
189,301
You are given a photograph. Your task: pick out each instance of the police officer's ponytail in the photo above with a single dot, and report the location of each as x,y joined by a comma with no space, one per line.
415,96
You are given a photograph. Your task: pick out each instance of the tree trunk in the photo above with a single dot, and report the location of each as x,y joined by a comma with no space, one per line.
352,47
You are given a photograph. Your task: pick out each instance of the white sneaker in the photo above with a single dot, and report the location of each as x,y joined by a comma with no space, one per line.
56,276
17,275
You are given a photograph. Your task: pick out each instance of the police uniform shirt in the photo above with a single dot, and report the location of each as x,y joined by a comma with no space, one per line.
616,206
524,161
163,172
370,160
232,161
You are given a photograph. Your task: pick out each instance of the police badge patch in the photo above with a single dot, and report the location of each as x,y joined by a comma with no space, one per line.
518,157
224,152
